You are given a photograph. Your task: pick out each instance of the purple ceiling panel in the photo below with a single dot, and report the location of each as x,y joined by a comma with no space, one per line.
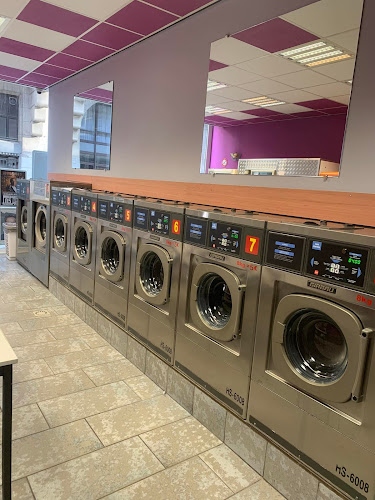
87,50
342,110
55,71
102,93
69,62
11,72
111,36
255,121
55,18
39,79
275,35
24,49
309,114
214,65
320,104
280,117
8,78
141,18
179,7
263,112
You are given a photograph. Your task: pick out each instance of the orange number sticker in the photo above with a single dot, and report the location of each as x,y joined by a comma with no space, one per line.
68,201
128,215
176,226
252,245
93,206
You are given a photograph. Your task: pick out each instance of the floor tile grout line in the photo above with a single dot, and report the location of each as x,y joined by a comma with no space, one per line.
44,416
32,491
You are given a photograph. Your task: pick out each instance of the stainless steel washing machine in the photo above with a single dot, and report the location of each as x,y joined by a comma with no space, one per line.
40,221
114,241
24,225
155,274
313,379
220,279
83,243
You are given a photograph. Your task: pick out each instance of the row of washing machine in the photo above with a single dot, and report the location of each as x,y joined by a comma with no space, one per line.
274,317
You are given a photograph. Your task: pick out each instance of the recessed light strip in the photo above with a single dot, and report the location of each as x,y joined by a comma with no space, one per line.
331,59
215,110
263,101
315,54
211,85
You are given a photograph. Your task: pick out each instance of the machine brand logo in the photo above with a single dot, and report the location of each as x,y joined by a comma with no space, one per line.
321,286
215,256
153,237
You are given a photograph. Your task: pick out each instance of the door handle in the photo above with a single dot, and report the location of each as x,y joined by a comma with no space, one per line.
366,335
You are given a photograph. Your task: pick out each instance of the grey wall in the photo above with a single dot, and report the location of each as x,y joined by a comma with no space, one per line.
159,99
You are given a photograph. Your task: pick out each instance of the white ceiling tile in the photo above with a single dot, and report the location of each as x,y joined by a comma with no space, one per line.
215,99
328,17
231,75
237,116
13,8
239,106
35,35
235,93
303,79
270,66
290,108
343,99
232,51
347,40
330,90
249,78
294,96
18,62
342,71
106,86
265,86
92,8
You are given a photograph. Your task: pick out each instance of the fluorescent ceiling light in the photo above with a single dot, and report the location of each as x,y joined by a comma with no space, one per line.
3,22
315,54
263,102
215,110
211,85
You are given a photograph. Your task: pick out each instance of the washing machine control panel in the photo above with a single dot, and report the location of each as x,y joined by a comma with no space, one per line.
225,237
23,190
61,199
285,251
196,231
84,204
336,262
159,222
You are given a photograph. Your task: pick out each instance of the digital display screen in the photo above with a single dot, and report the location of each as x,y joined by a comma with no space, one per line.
103,209
85,205
55,197
75,202
159,222
141,218
225,237
284,250
63,199
337,262
196,231
116,212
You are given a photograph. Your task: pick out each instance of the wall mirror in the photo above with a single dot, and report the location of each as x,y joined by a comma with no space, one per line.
278,93
92,128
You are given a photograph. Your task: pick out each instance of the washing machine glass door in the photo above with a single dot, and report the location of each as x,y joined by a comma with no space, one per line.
112,255
23,222
153,274
41,225
216,301
82,248
319,347
60,232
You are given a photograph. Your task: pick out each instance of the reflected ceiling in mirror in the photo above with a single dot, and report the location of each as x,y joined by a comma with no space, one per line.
281,89
92,128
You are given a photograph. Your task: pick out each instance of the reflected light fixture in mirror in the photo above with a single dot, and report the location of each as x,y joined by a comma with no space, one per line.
92,128
278,93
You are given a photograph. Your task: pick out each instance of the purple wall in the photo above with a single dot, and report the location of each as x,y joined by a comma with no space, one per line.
320,137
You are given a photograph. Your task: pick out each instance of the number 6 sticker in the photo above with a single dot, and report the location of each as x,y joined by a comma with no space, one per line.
252,245
176,226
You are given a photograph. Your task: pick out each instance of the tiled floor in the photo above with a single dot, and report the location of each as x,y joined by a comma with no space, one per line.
88,424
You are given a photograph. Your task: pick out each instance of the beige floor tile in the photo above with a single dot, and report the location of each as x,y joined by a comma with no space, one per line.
235,473
190,480
144,387
40,323
97,474
82,359
94,340
27,338
48,349
70,331
51,447
61,310
86,403
112,372
42,312
23,294
9,328
180,440
122,423
27,420
46,301
325,493
30,370
16,306
261,490
20,490
209,413
41,389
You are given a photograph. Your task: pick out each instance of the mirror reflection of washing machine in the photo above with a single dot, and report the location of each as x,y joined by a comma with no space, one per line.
40,229
220,279
114,240
24,224
155,274
83,243
314,362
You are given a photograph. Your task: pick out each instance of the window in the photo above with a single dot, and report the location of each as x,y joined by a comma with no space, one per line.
95,136
206,146
8,117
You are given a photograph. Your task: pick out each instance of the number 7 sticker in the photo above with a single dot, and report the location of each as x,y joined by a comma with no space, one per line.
252,245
